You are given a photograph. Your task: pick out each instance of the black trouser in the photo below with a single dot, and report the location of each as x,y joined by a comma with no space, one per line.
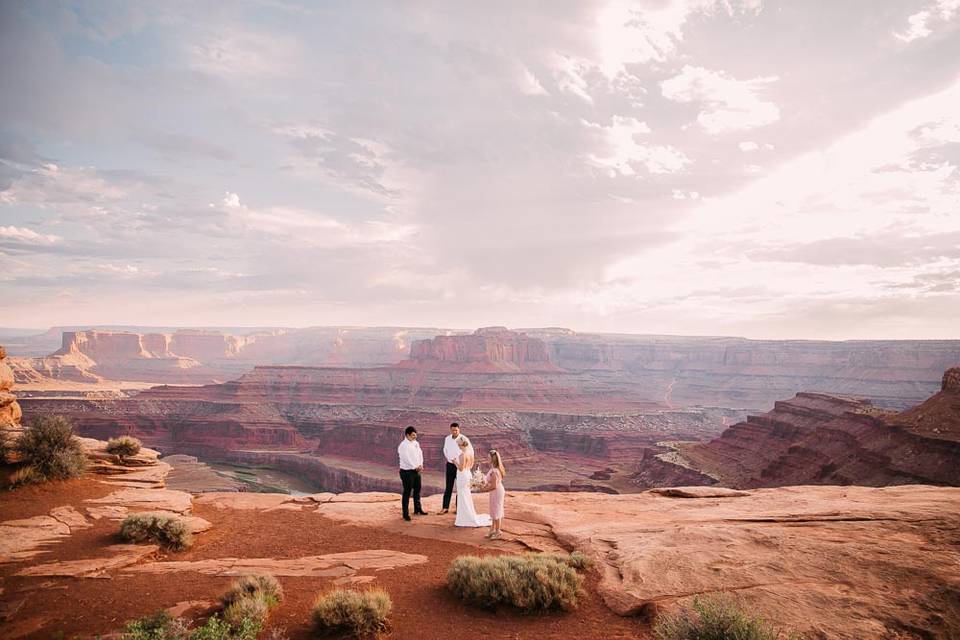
451,480
411,483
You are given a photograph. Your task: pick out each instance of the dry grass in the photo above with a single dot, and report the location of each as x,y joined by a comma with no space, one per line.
529,582
360,614
713,618
24,476
172,533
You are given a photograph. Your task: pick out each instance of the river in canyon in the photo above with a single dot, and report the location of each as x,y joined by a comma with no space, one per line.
191,474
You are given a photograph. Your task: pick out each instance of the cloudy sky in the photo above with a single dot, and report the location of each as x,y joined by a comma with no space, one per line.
757,168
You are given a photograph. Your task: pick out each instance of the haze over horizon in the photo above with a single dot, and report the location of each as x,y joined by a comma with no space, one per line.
685,167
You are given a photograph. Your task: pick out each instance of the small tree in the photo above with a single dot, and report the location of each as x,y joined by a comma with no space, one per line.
49,447
123,447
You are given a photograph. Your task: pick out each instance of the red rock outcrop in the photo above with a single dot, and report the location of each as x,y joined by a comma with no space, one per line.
487,350
10,412
821,439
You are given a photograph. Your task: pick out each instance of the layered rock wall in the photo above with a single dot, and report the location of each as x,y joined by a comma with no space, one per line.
10,412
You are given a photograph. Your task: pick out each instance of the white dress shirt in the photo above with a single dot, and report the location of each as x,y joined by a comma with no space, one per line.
411,457
451,450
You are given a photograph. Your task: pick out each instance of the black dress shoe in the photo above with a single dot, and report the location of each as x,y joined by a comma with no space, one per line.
407,518
420,513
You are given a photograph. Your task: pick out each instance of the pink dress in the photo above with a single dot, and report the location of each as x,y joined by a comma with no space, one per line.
497,495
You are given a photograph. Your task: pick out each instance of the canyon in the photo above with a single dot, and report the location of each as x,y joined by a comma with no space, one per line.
821,439
670,371
568,418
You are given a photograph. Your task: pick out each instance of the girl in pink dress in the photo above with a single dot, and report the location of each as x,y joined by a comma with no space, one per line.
497,493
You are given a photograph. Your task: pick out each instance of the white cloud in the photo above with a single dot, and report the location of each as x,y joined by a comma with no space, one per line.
240,52
631,34
626,154
529,84
920,22
23,235
307,227
748,146
728,104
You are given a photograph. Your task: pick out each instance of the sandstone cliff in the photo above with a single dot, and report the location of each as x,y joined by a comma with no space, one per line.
10,412
487,350
821,439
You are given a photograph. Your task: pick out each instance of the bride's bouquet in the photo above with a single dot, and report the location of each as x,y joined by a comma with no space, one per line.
477,481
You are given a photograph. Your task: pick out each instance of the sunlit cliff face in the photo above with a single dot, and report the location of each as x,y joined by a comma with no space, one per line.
769,169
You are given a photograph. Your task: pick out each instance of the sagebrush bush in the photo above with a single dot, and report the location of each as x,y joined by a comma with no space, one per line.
362,614
123,447
528,582
712,618
161,626
253,608
47,444
172,533
263,586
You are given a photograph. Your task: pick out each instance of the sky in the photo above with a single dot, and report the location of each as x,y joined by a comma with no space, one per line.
699,167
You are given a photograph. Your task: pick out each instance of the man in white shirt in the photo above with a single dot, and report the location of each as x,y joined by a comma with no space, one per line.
411,464
451,451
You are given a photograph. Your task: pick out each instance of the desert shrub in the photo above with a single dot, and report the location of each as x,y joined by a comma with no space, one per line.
162,626
123,447
362,614
255,609
158,626
251,598
529,582
172,533
24,476
575,560
262,586
712,618
48,445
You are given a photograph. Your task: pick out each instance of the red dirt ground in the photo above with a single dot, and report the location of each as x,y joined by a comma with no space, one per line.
423,608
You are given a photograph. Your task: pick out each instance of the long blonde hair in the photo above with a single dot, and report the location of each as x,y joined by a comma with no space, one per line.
497,462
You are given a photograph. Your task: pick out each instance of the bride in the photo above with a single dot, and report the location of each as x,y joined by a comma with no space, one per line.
466,512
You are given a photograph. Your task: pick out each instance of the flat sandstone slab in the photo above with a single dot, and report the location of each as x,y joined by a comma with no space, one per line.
121,555
334,564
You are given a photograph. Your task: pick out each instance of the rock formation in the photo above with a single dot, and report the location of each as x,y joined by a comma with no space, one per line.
10,412
488,350
821,439
676,372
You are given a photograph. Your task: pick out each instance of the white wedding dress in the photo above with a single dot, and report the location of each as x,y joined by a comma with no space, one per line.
467,515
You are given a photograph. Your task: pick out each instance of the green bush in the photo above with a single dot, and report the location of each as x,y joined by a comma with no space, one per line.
159,626
712,618
162,626
362,614
47,444
172,533
529,582
123,447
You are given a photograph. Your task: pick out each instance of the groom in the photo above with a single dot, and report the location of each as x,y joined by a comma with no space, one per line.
411,464
451,451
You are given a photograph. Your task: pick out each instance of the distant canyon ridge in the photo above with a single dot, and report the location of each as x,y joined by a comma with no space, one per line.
571,411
